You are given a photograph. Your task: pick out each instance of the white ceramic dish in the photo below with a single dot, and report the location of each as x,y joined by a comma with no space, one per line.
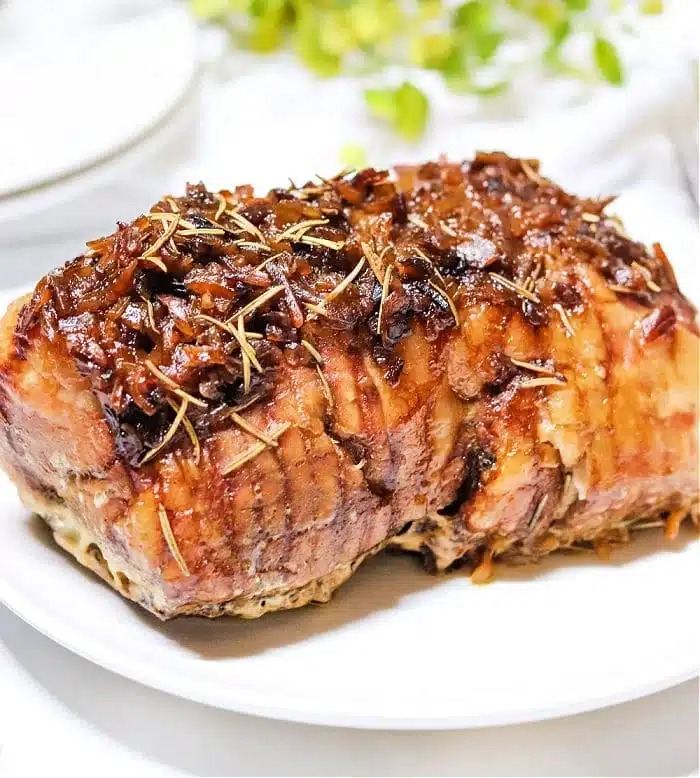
81,95
397,648
66,172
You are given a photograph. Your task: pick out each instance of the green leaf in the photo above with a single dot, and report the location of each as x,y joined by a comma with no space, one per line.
267,25
560,32
472,23
652,7
258,7
432,51
486,45
411,111
577,5
454,66
266,35
381,103
405,108
460,85
547,12
374,21
429,9
607,61
455,72
472,17
209,9
456,38
354,156
309,46
336,33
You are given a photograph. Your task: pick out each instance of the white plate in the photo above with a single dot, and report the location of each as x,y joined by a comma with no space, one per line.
81,94
398,648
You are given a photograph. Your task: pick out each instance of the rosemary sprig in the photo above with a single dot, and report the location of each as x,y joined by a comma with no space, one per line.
191,432
385,292
532,366
170,540
172,385
374,260
313,351
296,231
444,293
565,320
161,241
201,231
256,303
179,417
325,386
503,281
340,288
254,451
333,245
532,383
254,431
538,511
245,225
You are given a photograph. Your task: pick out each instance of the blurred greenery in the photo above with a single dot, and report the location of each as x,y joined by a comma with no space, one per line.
353,156
459,41
404,108
607,61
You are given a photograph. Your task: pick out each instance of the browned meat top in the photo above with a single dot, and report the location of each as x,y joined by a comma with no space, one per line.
186,312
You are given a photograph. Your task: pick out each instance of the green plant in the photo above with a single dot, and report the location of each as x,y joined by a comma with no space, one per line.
458,41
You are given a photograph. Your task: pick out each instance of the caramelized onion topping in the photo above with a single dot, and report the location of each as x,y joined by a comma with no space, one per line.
191,309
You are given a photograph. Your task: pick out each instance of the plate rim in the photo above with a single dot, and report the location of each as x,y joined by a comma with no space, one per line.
244,702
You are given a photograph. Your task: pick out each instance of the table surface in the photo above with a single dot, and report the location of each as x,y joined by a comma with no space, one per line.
56,706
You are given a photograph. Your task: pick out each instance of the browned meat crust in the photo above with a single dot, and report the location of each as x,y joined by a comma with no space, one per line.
227,404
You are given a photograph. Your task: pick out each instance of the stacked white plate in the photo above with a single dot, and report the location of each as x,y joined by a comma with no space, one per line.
97,113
